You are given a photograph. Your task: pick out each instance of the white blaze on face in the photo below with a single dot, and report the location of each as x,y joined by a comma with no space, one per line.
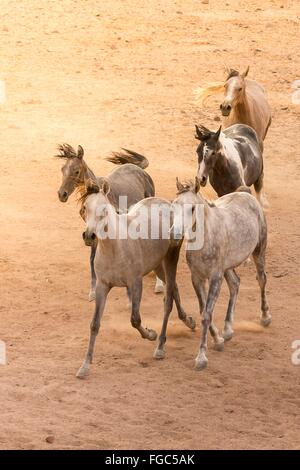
91,213
202,171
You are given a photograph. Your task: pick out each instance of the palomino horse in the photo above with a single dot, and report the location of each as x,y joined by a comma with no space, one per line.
234,228
245,102
129,180
230,159
123,260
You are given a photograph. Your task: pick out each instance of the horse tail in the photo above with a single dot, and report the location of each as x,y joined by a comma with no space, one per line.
201,94
128,156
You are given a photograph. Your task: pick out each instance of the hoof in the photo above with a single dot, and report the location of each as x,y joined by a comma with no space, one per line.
152,335
265,321
92,295
83,372
201,363
227,335
190,323
220,345
159,354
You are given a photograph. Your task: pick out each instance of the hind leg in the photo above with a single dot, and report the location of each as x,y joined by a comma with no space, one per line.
233,282
199,287
259,260
169,270
136,296
258,186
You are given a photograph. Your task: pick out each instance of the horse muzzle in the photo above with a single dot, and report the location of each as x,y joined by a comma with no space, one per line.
203,181
88,238
63,196
225,109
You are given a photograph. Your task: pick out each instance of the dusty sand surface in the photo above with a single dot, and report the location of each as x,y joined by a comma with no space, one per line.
121,73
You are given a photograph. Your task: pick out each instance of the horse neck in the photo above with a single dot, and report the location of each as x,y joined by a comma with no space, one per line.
110,246
88,173
241,112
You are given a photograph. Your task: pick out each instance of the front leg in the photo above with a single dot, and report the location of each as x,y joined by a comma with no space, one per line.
136,296
101,294
199,287
213,293
92,294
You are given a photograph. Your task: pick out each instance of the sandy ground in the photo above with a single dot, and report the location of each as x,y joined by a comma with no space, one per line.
121,73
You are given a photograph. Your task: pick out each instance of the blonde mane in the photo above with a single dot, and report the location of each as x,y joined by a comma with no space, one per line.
201,94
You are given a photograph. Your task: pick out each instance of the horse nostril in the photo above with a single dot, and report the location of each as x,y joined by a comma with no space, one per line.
228,107
93,236
221,106
83,235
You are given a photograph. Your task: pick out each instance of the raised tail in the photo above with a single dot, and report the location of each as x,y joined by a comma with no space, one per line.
128,156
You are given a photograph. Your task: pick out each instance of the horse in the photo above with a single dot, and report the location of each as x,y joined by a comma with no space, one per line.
245,102
230,159
128,180
234,228
123,261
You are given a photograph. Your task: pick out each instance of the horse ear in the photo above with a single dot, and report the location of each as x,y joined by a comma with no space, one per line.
80,152
244,74
197,184
180,186
217,134
105,188
202,133
92,186
198,134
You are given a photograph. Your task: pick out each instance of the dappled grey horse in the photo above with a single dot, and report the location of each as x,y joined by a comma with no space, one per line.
129,180
123,261
230,159
234,227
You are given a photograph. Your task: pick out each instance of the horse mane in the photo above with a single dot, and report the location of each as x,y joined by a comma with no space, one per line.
201,94
85,192
232,73
66,151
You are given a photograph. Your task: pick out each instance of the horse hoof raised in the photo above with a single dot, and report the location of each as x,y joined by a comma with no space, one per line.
265,321
201,363
82,372
92,295
219,346
190,323
159,354
152,335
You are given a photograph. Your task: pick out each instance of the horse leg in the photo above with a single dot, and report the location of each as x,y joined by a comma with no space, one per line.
259,260
159,286
258,186
169,275
199,287
92,294
101,294
129,299
233,282
136,296
213,293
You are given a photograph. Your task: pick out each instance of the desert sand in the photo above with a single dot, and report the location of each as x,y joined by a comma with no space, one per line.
117,74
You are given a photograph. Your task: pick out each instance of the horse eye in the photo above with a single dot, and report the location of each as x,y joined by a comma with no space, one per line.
240,89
